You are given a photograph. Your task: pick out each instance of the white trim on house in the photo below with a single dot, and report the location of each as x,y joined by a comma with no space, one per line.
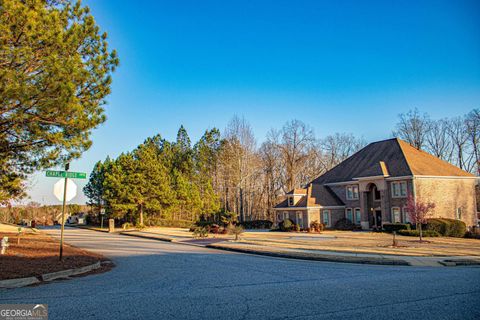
399,178
329,215
357,193
351,212
405,216
370,178
399,184
446,177
392,216
342,183
305,208
355,215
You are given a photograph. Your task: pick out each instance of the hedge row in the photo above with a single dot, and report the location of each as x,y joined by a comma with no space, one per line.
447,227
257,224
416,233
391,227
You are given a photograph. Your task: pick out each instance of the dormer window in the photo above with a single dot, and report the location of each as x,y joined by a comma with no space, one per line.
352,192
290,201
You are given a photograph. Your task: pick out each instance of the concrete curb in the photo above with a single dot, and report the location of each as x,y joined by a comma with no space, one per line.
88,228
69,272
126,233
328,258
23,282
459,262
20,282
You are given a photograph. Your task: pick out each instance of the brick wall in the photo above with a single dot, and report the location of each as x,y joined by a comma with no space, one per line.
448,195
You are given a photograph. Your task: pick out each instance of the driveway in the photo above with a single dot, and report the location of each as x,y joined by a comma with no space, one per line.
160,280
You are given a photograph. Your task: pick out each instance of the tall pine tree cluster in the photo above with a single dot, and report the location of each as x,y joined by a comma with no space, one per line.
159,180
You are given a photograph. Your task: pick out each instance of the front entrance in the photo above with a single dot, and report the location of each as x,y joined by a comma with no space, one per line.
378,219
373,206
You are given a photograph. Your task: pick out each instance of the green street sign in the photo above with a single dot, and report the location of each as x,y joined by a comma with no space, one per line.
65,174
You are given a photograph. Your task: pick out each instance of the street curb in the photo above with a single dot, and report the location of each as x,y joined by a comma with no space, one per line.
87,228
20,282
126,233
69,272
47,277
344,259
459,262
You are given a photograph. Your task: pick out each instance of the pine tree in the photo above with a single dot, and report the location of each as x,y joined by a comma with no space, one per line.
55,69
94,189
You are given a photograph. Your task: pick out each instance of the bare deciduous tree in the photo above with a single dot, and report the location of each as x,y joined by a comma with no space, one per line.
339,147
438,141
457,130
413,127
296,142
472,122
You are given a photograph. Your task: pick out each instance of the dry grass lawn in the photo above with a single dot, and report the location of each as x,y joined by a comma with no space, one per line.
347,241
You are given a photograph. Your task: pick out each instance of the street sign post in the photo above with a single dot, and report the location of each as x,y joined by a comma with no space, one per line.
102,213
67,196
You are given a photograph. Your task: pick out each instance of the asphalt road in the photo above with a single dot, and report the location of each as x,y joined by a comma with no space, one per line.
159,280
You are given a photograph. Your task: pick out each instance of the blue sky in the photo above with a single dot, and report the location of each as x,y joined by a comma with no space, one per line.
339,66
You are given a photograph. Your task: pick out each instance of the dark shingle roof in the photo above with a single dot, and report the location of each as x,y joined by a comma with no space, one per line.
399,158
323,196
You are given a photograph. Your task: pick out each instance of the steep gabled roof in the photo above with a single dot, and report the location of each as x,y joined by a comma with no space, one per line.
422,163
323,196
392,157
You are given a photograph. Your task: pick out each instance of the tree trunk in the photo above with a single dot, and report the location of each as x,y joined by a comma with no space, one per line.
420,229
141,214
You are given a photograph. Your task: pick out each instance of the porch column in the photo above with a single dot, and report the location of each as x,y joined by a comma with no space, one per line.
364,210
385,205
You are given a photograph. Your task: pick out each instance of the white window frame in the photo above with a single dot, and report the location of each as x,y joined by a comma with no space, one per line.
359,211
405,216
352,192
299,217
397,186
285,215
347,211
327,212
399,214
458,213
291,201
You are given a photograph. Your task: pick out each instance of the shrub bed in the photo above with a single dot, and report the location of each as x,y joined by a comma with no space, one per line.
344,224
447,227
390,227
286,225
257,224
316,226
416,233
473,234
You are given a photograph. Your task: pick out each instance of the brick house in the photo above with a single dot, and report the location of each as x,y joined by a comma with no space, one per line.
371,188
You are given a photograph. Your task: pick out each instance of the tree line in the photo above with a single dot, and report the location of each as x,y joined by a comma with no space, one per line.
455,140
221,173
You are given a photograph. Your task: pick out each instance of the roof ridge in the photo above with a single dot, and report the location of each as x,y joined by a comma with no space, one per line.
403,154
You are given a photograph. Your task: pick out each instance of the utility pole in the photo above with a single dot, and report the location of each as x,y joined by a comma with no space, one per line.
67,166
